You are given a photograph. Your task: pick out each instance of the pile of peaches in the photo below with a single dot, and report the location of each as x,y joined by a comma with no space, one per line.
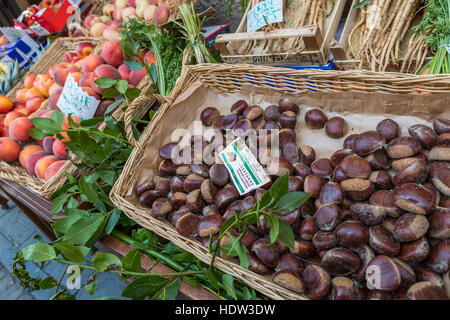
39,98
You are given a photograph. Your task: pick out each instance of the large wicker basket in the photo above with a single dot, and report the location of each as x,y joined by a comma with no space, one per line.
242,79
54,54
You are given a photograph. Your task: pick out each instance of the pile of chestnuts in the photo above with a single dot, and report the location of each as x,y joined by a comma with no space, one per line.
377,225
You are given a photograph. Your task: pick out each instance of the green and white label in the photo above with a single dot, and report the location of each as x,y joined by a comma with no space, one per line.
246,172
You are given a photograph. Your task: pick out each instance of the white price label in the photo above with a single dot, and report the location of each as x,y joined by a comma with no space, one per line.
269,10
245,171
76,101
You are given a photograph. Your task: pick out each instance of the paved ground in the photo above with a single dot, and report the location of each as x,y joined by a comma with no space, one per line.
17,232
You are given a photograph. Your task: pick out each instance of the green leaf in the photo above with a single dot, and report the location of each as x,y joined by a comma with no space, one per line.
71,252
132,93
58,202
143,287
105,83
38,252
83,229
110,93
36,134
362,4
292,201
133,65
58,117
132,261
154,73
274,228
280,187
46,125
87,189
62,224
114,105
102,260
228,284
47,283
171,292
90,287
286,235
112,221
122,86
212,278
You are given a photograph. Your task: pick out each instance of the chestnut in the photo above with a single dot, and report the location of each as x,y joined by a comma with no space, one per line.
340,262
338,156
163,187
401,164
343,288
168,151
351,234
415,251
367,213
389,129
355,167
389,223
218,174
192,182
313,184
367,142
441,126
147,185
208,115
381,179
303,249
324,240
315,119
414,198
322,167
382,241
439,258
148,197
357,189
290,262
210,211
317,282
308,229
289,280
440,176
194,201
176,184
403,147
177,199
241,128
365,255
426,290
286,135
287,105
161,207
280,166
272,113
417,172
265,252
238,107
331,193
425,274
338,175
439,153
379,160
348,142
382,274
181,211
201,170
255,265
307,154
407,273
217,123
443,138
385,199
258,124
225,197
295,183
208,191
167,167
440,223
288,119
410,227
327,217
253,112
187,225
424,134
229,121
291,218
289,152
336,127
209,225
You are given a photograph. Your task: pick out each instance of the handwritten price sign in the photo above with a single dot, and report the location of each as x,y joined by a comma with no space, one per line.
271,10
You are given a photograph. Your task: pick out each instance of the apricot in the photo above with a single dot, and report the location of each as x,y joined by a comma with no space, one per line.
137,75
112,53
9,149
59,149
28,151
21,95
6,104
47,144
44,87
42,77
53,99
124,71
34,103
90,63
18,129
42,164
103,70
53,169
22,110
85,80
10,116
29,80
31,93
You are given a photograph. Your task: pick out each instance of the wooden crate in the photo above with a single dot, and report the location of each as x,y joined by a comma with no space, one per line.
315,45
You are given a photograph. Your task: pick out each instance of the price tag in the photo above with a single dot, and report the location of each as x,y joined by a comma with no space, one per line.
76,101
271,10
39,30
245,171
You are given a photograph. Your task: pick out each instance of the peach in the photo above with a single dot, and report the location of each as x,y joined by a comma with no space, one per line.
21,95
10,116
161,14
124,71
90,63
34,103
117,14
18,129
61,76
150,58
22,110
149,12
42,164
84,49
28,151
112,53
76,76
103,70
137,75
9,149
85,80
91,92
128,13
112,33
97,29
4,132
31,93
131,3
28,81
54,88
6,104
102,107
53,98
70,57
30,163
44,87
59,149
47,144
42,78
53,169
90,20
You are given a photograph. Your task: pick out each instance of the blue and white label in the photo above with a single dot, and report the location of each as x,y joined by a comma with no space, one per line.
269,10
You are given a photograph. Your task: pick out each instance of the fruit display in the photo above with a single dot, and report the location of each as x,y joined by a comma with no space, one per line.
376,225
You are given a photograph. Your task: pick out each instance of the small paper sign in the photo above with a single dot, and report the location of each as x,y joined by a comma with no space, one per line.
245,171
271,10
76,101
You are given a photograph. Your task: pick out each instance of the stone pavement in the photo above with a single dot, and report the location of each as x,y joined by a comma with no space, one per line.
17,232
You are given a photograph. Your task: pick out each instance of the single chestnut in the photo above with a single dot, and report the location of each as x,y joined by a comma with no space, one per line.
424,134
253,112
161,207
169,150
367,142
324,240
272,113
336,127
338,175
303,249
441,126
410,227
192,182
208,115
331,193
219,174
238,107
389,129
327,217
286,135
289,280
439,153
415,251
242,127
357,189
148,197
147,185
340,262
257,124
194,201
379,160
268,254
440,223
210,211
287,105
381,179
187,224
407,273
288,119
307,154
313,184
343,288
225,197
308,229
426,290
414,198
209,225
355,167
177,199
440,176
348,142
295,183
290,262
338,156
403,147
382,241
417,172
289,152
317,282
229,121
315,119
382,274
439,258
351,234
167,167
